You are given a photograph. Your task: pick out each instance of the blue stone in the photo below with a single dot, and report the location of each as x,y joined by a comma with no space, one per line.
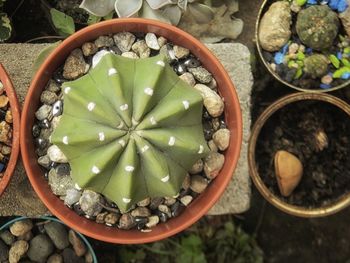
342,6
279,58
346,75
325,86
312,2
324,2
308,50
339,55
333,4
2,167
285,49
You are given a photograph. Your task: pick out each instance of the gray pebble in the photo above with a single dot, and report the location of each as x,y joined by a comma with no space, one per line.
130,54
89,49
186,200
213,163
7,237
141,49
58,234
180,52
53,86
211,100
74,66
59,184
126,221
188,78
201,74
56,155
198,183
222,139
152,41
164,209
100,218
144,202
197,167
141,211
124,41
4,251
48,97
55,258
63,169
168,201
104,41
43,112
168,52
111,219
69,256
40,248
90,203
72,196
152,221
192,63
162,41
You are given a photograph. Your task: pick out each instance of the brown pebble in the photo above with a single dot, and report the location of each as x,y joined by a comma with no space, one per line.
21,227
18,250
288,170
198,183
3,101
100,218
8,116
77,243
89,49
5,150
112,218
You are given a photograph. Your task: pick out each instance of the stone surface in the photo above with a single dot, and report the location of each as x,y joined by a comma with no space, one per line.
19,197
345,19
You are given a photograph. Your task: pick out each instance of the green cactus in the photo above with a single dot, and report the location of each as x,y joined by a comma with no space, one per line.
131,129
317,26
316,65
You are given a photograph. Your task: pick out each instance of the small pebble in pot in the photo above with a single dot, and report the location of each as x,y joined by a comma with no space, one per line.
179,68
90,203
213,163
4,100
63,169
327,79
44,161
152,221
104,41
44,124
9,117
41,143
141,212
168,201
197,167
198,183
201,74
36,130
57,108
181,52
162,216
126,221
18,250
188,78
177,209
192,63
124,41
144,202
48,97
100,218
222,139
89,49
77,209
111,219
165,209
72,196
141,222
186,200
152,41
43,112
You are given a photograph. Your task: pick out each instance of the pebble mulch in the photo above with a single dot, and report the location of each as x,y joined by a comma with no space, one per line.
151,211
5,130
42,241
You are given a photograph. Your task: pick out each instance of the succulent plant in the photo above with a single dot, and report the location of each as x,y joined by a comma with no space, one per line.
317,26
316,65
5,24
169,11
131,129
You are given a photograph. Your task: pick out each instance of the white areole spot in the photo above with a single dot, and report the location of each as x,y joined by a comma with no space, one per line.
101,136
91,106
144,148
129,168
134,122
124,107
126,200
186,104
148,91
171,141
153,120
112,71
95,169
161,63
98,56
201,149
121,142
67,90
77,187
121,125
165,179
65,140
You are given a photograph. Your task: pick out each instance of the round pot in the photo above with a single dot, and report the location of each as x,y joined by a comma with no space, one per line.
15,109
45,218
264,6
332,208
201,204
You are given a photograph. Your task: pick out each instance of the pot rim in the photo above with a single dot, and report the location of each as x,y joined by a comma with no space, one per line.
87,243
214,190
300,211
16,115
264,4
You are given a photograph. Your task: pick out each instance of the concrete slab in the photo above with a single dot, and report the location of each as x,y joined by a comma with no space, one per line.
19,197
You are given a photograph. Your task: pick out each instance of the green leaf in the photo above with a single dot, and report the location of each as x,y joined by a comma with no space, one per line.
345,62
93,19
334,60
300,56
5,27
338,73
298,73
301,2
347,50
43,55
62,22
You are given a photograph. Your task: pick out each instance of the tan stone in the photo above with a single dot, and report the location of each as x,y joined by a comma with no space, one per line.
288,170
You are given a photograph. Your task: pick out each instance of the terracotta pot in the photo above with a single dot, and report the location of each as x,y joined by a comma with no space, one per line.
332,208
11,94
45,218
201,204
264,7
